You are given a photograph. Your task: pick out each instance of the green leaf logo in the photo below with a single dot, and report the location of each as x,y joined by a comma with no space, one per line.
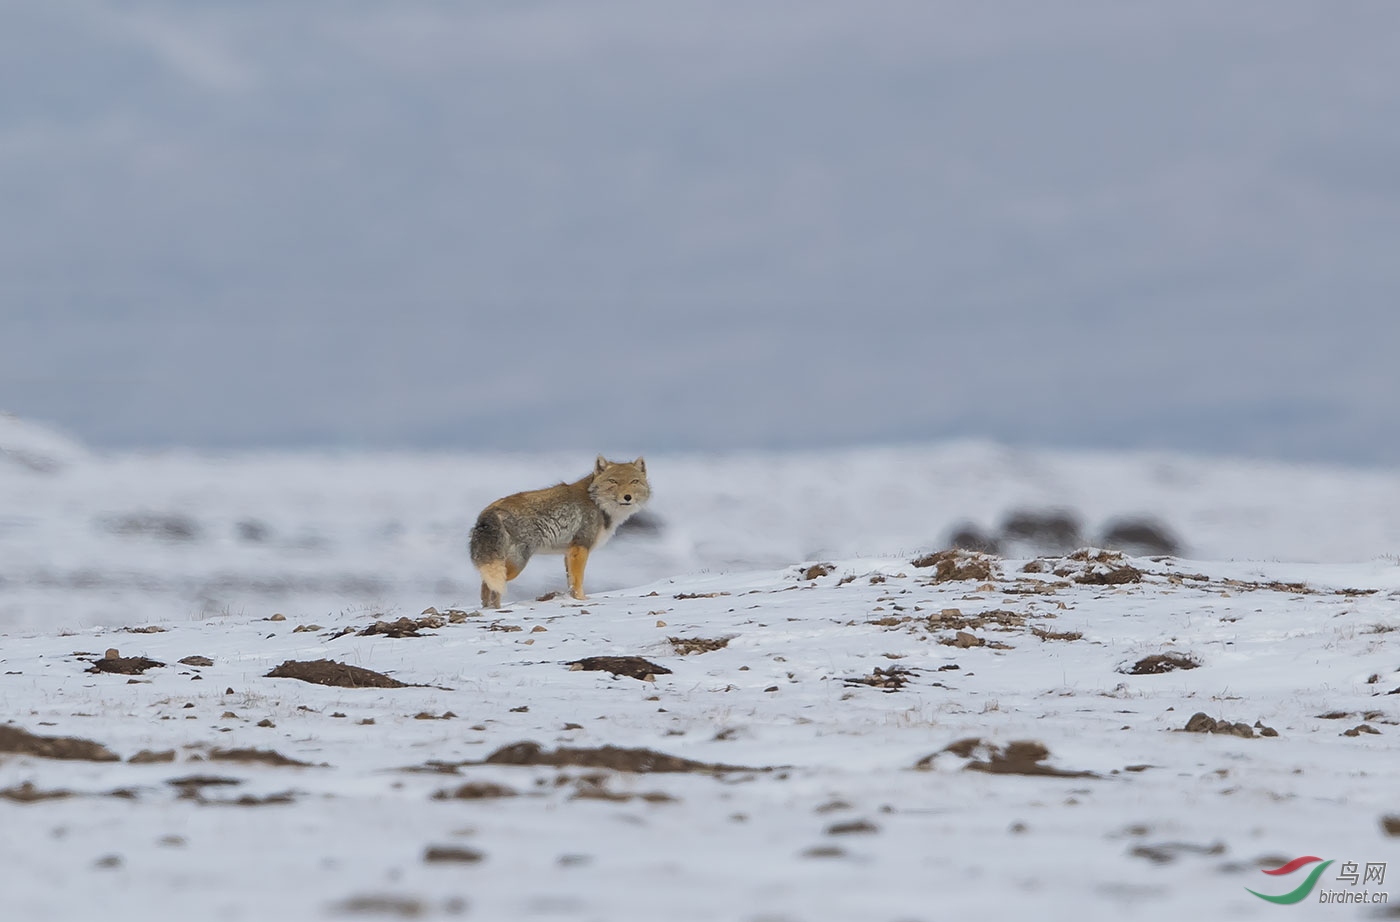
1301,892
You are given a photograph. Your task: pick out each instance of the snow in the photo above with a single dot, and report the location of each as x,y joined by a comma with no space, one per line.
1285,600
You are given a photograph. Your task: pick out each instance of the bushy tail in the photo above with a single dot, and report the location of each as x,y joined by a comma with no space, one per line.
488,541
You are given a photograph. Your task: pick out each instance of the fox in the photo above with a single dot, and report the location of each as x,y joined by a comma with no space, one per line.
573,519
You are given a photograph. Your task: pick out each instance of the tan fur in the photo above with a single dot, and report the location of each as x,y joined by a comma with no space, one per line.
572,519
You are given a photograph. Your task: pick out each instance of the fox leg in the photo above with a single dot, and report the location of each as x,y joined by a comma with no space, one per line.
493,583
575,559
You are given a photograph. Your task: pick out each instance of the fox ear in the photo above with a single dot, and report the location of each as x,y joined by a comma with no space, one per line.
600,465
641,464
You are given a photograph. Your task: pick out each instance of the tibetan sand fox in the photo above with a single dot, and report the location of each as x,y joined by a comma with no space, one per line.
570,519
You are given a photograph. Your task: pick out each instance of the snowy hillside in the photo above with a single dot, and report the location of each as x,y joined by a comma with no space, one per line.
873,738
93,539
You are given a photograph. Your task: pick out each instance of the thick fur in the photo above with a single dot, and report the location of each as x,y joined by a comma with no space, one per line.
572,519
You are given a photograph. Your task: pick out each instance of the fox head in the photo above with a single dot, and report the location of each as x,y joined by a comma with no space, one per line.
620,488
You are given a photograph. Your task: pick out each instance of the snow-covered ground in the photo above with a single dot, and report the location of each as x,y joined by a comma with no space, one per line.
94,539
816,796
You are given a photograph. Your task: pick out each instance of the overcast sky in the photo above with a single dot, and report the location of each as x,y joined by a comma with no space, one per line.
638,226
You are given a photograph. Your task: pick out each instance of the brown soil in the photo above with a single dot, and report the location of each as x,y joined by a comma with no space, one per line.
197,661
13,739
456,854
595,788
261,756
1390,825
685,646
404,627
963,640
196,794
888,680
1158,663
1022,757
632,666
329,672
818,569
123,665
1167,852
1057,635
149,757
1201,723
613,757
854,827
957,564
1360,729
1111,576
701,595
378,904
191,784
475,790
27,793
952,618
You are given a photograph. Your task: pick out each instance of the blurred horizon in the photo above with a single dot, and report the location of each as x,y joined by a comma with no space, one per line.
703,226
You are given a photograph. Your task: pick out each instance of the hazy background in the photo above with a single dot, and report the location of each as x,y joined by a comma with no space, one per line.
680,226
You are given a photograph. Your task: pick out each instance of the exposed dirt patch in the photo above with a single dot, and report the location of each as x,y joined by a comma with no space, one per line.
404,627
957,564
1390,824
1021,757
700,595
475,790
27,793
888,680
1158,663
631,666
613,757
1360,729
824,851
1201,723
954,619
687,646
964,640
1096,567
190,785
1057,635
196,661
853,827
250,800
167,527
452,854
329,672
123,665
260,756
22,742
1035,586
595,787
150,757
382,904
818,569
1168,852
